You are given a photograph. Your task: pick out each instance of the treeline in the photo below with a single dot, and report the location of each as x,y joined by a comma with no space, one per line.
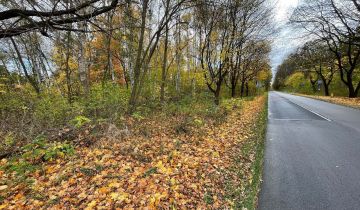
312,68
157,48
329,61
72,62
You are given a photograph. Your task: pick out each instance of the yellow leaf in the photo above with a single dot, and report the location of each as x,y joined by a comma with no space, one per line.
114,184
173,181
61,154
119,196
91,205
3,187
163,169
82,195
193,186
216,154
50,169
3,206
155,199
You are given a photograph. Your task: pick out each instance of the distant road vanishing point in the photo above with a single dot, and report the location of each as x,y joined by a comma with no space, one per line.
312,155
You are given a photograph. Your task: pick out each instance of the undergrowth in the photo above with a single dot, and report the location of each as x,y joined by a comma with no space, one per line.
245,193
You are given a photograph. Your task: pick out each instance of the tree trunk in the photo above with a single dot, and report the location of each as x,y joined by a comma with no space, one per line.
131,40
326,84
357,89
178,55
352,92
31,80
109,66
247,89
233,91
138,64
217,94
67,68
164,66
83,72
326,89
242,88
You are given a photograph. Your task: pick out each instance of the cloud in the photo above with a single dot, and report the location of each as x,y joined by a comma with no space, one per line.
283,9
285,41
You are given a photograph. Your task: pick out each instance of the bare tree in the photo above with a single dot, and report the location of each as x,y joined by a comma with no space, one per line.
336,23
146,48
249,20
255,59
315,57
215,49
21,17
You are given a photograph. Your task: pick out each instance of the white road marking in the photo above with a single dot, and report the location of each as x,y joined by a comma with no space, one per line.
325,118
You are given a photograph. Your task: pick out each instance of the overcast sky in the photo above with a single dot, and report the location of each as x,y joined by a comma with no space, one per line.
285,40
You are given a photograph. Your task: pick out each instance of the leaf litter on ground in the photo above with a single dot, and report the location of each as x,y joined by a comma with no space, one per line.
163,169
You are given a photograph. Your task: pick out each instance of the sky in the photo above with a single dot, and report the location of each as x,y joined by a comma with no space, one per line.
285,41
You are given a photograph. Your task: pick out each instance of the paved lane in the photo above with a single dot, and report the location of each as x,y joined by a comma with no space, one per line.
312,155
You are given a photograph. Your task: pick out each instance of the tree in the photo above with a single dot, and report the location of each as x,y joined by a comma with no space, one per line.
288,67
315,57
336,23
215,49
146,48
249,20
255,59
22,17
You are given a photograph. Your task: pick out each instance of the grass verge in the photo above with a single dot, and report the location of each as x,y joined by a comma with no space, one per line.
344,101
253,149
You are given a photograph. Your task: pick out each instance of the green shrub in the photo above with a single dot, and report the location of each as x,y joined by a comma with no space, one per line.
21,167
52,110
138,116
39,149
9,139
79,121
37,152
198,122
105,101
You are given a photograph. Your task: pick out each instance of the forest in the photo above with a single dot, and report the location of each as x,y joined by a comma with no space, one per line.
328,62
123,104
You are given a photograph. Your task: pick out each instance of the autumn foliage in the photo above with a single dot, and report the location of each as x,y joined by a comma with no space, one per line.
174,165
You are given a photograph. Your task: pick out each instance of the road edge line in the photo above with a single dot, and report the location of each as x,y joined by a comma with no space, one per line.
325,118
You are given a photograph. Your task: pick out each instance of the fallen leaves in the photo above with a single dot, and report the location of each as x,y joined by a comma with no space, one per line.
91,205
164,170
3,187
120,196
345,101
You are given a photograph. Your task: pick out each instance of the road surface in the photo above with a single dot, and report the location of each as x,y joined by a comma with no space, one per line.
312,155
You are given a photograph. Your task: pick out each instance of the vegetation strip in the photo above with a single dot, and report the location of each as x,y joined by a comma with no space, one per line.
172,169
253,147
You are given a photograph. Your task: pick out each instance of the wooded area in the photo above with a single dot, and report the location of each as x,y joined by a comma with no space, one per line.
330,60
143,103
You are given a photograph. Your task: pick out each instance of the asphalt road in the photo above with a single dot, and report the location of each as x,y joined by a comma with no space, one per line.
312,155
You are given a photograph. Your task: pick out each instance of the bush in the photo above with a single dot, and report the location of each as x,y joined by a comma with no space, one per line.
37,152
41,150
29,115
79,121
52,110
107,101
